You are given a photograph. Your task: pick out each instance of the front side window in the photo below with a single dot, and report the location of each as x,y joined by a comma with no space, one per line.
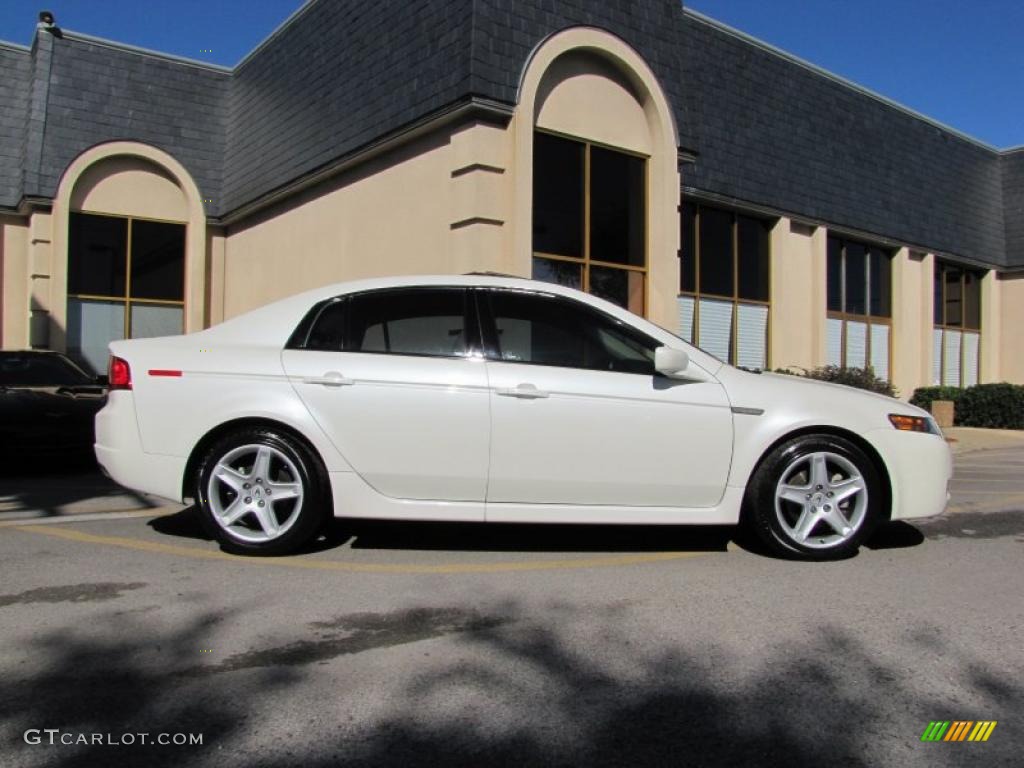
724,284
957,331
859,299
589,219
126,279
427,322
541,329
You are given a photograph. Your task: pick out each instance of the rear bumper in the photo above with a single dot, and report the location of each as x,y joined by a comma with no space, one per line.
119,452
920,467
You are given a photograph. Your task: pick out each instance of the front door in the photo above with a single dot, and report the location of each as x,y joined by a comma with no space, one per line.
395,380
578,415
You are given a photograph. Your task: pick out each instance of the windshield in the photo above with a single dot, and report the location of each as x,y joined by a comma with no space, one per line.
40,370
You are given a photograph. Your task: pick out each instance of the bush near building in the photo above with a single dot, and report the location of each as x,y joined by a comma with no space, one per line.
861,378
923,397
993,406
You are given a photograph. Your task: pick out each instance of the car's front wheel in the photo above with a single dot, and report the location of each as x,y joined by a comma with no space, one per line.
261,492
816,497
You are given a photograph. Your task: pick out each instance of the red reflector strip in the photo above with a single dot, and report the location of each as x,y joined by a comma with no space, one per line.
163,372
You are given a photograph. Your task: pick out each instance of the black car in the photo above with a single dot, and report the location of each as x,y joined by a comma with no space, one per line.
47,406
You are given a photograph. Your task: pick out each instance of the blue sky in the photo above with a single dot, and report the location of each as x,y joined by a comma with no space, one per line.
958,62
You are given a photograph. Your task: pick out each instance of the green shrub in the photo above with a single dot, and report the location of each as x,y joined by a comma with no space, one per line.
861,378
996,406
924,396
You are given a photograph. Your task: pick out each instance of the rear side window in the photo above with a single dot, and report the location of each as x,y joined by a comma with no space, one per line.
424,321
328,331
409,321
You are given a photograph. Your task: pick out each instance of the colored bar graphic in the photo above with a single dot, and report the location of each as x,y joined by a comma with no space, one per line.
982,730
958,730
935,730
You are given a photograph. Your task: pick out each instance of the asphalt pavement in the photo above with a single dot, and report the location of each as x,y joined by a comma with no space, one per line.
510,645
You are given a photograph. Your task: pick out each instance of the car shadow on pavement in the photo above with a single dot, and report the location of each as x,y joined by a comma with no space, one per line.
185,524
485,537
525,537
895,535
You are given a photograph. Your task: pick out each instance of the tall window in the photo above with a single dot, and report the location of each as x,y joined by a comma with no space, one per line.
859,321
126,279
589,214
724,284
957,334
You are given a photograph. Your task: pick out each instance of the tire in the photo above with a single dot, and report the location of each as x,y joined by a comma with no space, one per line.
815,497
235,489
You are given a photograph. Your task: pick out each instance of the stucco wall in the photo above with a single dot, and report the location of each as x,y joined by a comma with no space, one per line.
391,216
1011,320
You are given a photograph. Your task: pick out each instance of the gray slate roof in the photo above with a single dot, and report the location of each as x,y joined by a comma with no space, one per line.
767,130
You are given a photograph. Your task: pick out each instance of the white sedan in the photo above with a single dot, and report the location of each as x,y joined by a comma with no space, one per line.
486,398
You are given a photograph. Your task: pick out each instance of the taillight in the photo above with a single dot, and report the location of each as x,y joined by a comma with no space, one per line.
119,374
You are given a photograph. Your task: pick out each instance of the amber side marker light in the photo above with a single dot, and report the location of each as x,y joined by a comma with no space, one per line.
913,423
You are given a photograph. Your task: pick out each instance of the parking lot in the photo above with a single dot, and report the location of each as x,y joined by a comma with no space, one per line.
479,645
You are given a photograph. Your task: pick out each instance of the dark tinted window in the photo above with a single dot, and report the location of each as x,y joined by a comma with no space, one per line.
954,302
619,286
688,252
328,331
549,330
937,305
18,370
752,255
616,207
972,301
420,321
835,275
881,283
557,195
716,252
856,279
567,273
158,260
97,255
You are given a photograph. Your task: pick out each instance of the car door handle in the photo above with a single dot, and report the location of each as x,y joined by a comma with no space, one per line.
524,391
329,379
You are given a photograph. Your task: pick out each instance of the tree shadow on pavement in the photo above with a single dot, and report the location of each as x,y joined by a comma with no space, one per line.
511,687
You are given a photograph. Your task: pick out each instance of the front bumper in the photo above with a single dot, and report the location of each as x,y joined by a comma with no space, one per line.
119,452
920,467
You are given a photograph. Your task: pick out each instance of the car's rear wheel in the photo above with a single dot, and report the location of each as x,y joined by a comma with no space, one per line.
261,492
816,497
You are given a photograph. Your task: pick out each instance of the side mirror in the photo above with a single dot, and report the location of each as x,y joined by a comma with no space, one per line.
671,362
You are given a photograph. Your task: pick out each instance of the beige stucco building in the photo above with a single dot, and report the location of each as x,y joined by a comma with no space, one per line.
626,155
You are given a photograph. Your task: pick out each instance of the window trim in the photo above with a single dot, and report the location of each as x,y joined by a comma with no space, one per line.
697,294
584,261
867,319
492,347
126,300
299,338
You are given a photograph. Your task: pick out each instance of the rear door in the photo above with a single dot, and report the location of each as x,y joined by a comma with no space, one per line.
396,379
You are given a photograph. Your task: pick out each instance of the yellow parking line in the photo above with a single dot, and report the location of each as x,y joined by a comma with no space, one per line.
328,565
